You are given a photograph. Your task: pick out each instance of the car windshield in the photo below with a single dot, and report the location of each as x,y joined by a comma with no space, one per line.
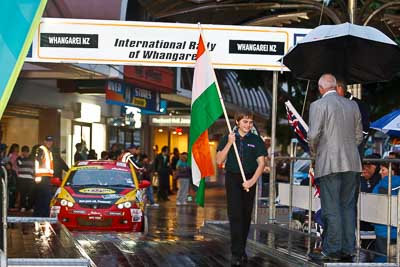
100,177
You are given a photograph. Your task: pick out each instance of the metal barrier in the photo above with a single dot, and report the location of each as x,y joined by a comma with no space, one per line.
53,262
4,182
292,158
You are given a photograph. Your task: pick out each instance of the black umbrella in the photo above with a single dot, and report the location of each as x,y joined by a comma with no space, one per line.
356,54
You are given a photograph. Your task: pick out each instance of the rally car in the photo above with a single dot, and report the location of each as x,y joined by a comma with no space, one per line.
100,195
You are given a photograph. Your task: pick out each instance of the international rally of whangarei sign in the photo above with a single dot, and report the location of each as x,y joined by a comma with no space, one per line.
160,44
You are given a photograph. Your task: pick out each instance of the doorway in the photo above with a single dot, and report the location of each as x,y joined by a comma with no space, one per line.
81,133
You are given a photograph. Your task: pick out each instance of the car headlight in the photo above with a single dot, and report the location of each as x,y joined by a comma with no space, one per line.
65,202
125,205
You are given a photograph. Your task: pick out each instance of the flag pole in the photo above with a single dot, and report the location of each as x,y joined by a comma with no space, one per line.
223,108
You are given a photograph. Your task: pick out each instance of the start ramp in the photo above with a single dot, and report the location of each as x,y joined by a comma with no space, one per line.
42,243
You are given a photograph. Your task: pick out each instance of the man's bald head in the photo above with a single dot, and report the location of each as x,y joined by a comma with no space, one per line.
326,83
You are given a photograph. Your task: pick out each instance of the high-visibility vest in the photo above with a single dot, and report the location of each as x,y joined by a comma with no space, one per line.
44,167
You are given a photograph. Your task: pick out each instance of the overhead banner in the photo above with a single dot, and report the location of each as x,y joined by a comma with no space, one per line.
161,44
124,94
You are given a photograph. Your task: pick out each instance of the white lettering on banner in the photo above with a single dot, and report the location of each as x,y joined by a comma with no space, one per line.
252,47
256,47
65,40
160,44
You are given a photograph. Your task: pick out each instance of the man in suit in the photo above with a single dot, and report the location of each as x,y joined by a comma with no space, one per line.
334,134
341,89
163,169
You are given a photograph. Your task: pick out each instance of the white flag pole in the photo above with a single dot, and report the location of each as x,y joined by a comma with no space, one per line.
223,108
300,119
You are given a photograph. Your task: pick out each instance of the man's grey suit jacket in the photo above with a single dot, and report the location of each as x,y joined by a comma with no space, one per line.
334,134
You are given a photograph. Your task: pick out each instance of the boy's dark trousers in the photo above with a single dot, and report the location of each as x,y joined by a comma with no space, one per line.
240,208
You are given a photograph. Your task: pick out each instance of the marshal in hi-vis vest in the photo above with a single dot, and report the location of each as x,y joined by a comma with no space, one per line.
44,162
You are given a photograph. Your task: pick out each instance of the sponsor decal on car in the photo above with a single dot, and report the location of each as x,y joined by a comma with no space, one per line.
112,196
89,167
97,191
55,210
121,164
136,215
94,201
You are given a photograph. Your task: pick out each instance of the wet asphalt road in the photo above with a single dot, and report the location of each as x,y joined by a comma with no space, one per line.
173,238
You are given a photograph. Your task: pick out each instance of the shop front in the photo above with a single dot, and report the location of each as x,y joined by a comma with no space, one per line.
39,107
87,128
171,131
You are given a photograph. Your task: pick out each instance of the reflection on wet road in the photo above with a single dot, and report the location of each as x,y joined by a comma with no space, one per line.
173,239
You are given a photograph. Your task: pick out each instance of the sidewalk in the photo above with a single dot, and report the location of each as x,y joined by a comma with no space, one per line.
289,246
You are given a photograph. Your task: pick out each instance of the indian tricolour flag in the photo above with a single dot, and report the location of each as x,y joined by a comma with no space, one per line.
206,109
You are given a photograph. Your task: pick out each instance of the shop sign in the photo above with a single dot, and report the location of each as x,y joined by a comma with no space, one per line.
160,44
170,120
124,94
153,78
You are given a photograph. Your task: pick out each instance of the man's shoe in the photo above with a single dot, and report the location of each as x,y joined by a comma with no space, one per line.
324,257
347,257
244,259
236,261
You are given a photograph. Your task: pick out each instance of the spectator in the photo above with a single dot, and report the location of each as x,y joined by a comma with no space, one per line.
104,155
183,175
44,170
78,156
84,150
146,171
59,164
25,179
3,150
11,185
13,154
334,134
341,89
92,154
382,188
130,153
394,155
162,168
174,160
370,174
114,152
136,155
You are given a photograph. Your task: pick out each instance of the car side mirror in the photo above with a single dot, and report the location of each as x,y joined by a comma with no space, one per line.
55,181
144,184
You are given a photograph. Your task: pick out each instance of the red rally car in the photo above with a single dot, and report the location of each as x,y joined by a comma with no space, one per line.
100,195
